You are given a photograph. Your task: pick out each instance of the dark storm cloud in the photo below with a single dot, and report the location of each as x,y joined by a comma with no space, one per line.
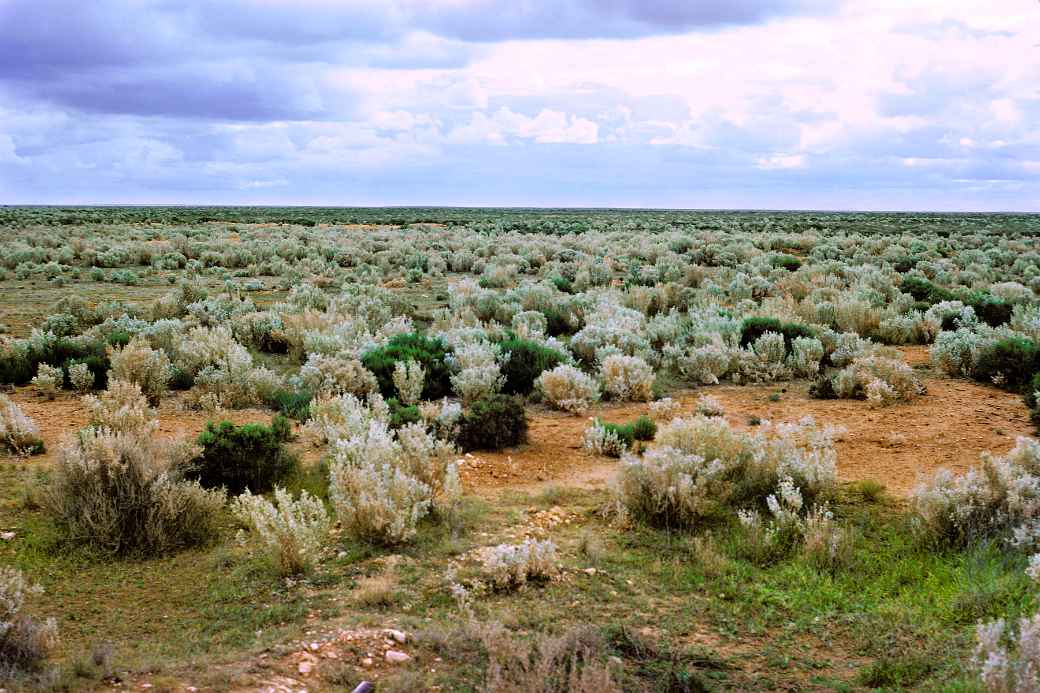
245,59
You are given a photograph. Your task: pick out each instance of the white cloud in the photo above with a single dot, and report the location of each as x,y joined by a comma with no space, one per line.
781,161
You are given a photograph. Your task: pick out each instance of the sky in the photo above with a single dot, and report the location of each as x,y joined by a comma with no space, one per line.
769,104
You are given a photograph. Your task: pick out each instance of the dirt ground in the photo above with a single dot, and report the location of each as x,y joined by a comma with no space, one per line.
950,426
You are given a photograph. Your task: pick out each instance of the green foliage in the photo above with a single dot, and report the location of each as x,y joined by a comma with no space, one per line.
753,328
1010,363
493,423
990,309
785,261
402,414
525,360
294,404
426,351
20,361
644,428
1029,393
250,456
925,291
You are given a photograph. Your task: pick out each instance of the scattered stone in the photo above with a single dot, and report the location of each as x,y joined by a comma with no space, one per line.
7,536
397,657
397,635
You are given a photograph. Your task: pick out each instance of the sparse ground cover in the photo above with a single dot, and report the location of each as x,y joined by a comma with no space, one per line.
733,545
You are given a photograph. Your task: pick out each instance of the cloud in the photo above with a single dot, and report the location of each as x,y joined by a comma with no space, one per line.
610,102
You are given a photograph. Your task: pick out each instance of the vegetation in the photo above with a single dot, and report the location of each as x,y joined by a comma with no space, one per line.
249,457
437,332
493,423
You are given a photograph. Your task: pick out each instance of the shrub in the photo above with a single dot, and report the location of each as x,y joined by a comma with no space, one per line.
292,532
644,428
955,353
567,388
18,433
523,361
138,363
81,377
627,378
24,641
122,407
48,380
251,456
1001,498
880,380
429,353
608,439
294,404
701,467
990,309
709,406
805,357
665,409
402,414
477,382
1008,659
378,502
121,493
925,291
381,482
510,566
408,378
336,375
753,328
1009,363
492,423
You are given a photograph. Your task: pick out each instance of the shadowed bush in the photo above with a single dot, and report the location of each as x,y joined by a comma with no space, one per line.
427,352
252,456
523,361
493,423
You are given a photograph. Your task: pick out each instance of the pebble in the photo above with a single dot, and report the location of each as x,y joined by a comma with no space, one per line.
7,536
397,635
397,657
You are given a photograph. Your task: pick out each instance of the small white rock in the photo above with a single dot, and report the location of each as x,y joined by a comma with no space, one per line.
397,635
397,657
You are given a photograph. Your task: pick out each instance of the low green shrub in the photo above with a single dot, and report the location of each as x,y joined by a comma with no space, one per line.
924,291
644,428
523,361
251,456
402,414
294,404
1010,362
428,352
785,261
493,423
753,328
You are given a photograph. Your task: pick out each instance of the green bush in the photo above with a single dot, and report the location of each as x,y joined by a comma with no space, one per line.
251,456
1029,394
925,291
20,361
426,351
493,423
785,261
644,428
753,328
1010,363
402,414
292,403
990,309
525,360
